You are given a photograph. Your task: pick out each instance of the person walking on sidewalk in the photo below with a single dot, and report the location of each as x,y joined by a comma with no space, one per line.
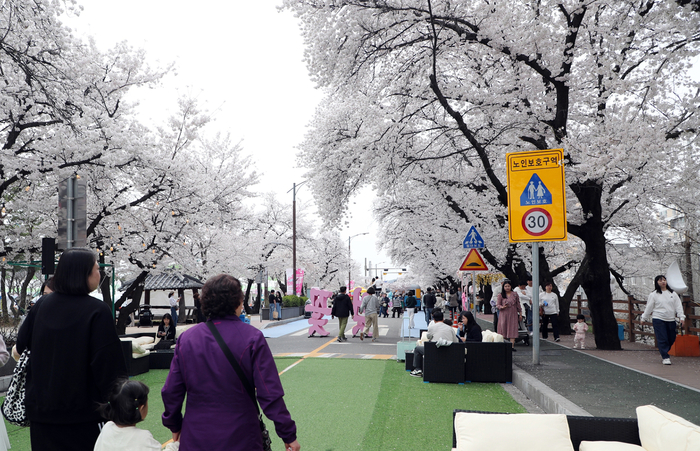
370,308
550,303
525,304
663,306
411,308
342,308
429,301
454,304
509,313
174,304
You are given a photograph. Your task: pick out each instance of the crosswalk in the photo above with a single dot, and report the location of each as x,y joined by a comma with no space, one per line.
383,331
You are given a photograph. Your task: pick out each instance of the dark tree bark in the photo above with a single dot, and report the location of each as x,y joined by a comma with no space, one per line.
592,232
134,293
25,284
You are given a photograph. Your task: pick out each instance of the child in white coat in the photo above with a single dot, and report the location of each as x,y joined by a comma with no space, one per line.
127,405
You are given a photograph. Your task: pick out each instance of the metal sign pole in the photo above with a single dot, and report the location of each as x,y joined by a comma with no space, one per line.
473,291
536,303
70,220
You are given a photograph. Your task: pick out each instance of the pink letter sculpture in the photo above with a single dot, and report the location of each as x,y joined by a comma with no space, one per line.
318,308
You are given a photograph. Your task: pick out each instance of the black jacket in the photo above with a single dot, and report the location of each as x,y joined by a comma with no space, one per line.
429,300
171,332
411,302
75,358
342,306
473,334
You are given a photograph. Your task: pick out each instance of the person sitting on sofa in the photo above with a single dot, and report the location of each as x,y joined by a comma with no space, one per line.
437,330
166,333
468,329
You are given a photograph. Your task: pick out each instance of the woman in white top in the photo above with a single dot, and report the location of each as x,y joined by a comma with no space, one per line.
550,306
663,306
173,306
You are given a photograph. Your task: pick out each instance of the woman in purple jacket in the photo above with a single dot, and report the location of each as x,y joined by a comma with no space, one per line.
220,413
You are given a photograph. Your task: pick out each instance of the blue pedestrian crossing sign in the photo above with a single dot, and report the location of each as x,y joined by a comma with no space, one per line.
473,240
535,193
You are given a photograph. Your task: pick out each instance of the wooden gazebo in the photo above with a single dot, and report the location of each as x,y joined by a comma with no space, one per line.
168,281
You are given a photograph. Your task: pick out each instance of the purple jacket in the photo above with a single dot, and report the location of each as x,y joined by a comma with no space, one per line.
220,414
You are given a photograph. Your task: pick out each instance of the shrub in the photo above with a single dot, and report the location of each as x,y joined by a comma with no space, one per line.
293,301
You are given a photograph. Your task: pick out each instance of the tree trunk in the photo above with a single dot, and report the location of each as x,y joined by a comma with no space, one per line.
688,264
281,284
256,301
596,279
565,300
23,290
134,293
246,297
105,284
3,274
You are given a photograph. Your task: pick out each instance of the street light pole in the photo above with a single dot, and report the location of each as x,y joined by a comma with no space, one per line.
294,236
350,258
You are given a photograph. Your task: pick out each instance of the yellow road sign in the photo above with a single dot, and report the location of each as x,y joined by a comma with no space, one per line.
536,196
473,262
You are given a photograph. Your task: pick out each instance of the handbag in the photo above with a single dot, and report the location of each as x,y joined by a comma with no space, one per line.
13,407
267,443
275,314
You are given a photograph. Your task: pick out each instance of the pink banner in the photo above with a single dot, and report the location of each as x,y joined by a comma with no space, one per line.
300,280
290,282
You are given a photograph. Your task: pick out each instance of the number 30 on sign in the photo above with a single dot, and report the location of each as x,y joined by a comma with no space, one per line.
537,221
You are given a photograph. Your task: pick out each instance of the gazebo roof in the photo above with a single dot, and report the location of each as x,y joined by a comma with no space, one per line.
167,281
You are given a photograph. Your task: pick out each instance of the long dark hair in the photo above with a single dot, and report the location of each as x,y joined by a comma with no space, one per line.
167,315
656,283
471,321
124,401
504,295
73,269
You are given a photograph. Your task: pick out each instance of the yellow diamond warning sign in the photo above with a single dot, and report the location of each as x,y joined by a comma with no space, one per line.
473,262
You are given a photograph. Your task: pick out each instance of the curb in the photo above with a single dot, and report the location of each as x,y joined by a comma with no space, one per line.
283,322
547,399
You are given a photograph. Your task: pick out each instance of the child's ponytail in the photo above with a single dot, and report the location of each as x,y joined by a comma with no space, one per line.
124,400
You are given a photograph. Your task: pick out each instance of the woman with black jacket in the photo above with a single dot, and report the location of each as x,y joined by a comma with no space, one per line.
469,329
75,357
166,333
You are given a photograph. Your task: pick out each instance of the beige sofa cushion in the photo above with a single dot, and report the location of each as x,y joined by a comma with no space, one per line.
504,432
608,446
663,431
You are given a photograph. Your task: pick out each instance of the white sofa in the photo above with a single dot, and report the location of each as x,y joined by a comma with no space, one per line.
653,430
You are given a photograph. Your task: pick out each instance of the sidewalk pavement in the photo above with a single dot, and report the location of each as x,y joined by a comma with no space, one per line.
605,383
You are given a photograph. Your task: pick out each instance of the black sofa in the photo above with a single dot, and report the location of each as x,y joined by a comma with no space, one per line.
482,362
157,359
134,366
582,428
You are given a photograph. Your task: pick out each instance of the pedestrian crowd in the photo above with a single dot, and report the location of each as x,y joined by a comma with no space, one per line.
77,395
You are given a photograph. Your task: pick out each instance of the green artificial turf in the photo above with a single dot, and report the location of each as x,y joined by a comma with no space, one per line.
341,404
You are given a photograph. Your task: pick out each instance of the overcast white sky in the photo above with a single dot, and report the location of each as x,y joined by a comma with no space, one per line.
243,61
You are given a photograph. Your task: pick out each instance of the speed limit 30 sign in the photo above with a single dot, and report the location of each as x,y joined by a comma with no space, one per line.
536,196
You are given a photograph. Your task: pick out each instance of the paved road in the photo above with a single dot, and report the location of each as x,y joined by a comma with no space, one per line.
297,341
